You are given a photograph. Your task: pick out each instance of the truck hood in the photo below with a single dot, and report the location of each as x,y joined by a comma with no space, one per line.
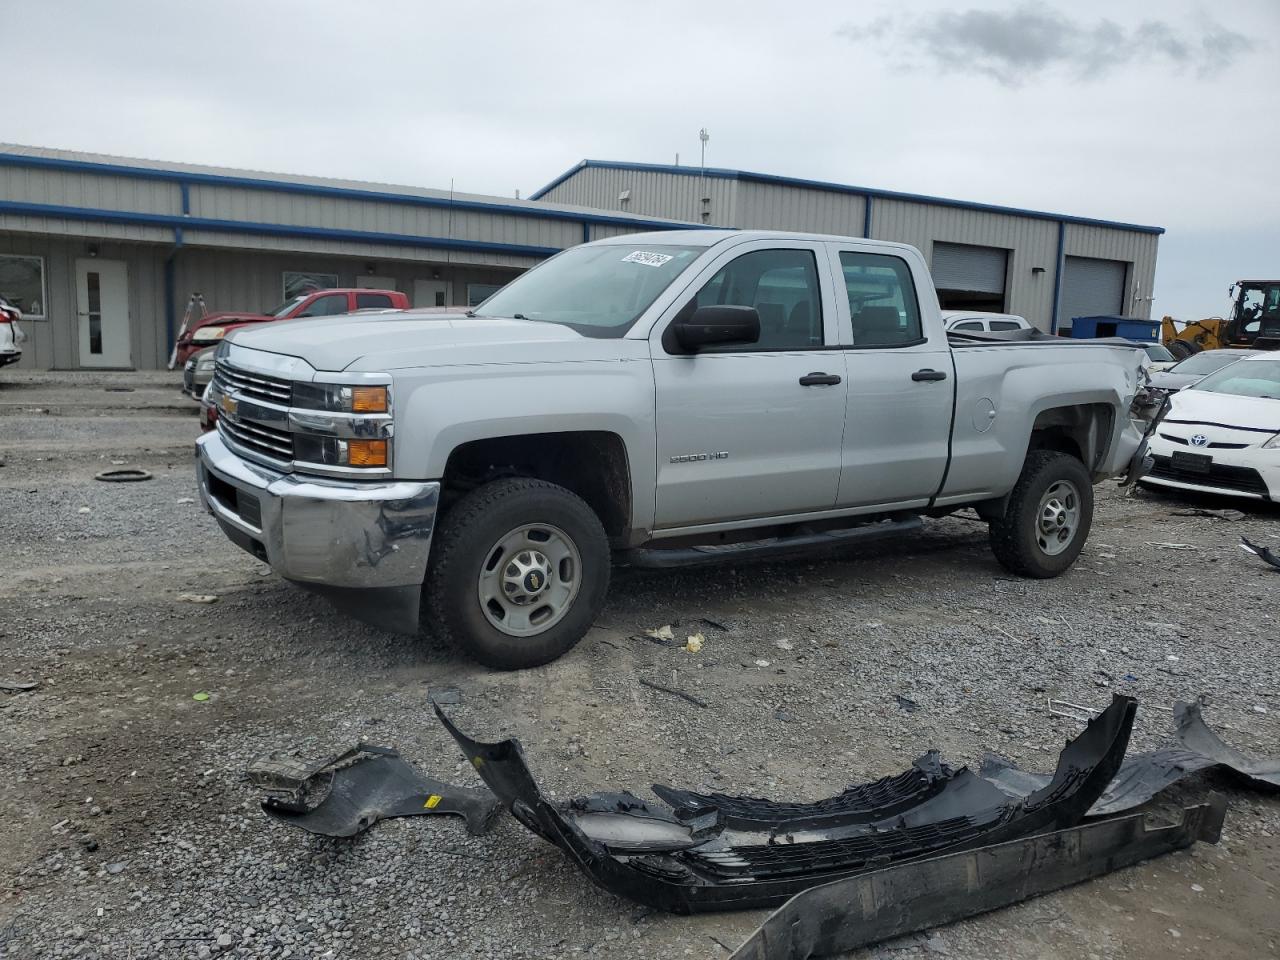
1229,410
229,316
381,342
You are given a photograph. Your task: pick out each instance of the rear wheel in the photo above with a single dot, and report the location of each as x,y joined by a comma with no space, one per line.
519,570
1047,521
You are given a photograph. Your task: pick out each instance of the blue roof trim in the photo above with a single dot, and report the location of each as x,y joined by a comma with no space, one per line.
183,179
722,173
266,229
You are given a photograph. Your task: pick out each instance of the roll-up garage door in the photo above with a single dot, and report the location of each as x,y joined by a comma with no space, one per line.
968,276
1091,288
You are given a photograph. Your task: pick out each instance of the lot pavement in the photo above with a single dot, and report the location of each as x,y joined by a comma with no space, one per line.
129,830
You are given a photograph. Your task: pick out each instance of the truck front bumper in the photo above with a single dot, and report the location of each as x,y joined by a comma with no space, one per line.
364,545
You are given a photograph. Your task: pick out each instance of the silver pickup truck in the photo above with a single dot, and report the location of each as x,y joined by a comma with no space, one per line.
655,399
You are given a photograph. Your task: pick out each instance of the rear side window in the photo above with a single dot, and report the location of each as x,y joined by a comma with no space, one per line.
968,325
366,300
882,300
783,287
326,306
1005,325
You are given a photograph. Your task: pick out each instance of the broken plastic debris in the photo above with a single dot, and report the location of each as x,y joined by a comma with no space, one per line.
686,861
340,796
18,686
694,643
197,598
762,663
897,900
201,696
1261,552
661,633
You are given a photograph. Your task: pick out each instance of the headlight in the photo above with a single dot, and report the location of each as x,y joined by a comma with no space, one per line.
1273,443
334,452
341,399
204,365
208,334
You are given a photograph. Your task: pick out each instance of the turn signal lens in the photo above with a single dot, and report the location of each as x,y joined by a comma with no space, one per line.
369,399
367,453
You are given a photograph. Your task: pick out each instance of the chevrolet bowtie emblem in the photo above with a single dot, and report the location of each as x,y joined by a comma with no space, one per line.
228,405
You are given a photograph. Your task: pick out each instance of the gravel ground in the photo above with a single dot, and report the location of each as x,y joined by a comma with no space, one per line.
130,831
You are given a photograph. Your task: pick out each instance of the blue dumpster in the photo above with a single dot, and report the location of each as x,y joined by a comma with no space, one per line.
1131,328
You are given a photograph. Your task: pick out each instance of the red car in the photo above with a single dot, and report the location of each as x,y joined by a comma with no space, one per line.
321,303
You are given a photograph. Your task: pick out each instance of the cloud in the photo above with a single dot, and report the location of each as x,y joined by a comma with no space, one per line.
1031,39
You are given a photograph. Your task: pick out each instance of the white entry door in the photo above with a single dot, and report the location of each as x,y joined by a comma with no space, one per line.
432,293
102,305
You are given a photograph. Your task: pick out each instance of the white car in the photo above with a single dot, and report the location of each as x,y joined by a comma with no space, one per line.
11,335
975,321
1222,435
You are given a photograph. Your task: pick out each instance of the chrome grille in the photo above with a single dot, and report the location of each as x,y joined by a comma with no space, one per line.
256,438
256,385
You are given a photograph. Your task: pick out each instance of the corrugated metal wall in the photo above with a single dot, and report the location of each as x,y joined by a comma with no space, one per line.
779,207
1137,249
54,342
1032,242
234,280
653,194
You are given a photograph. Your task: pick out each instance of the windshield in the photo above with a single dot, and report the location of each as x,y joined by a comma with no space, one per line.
1248,378
1157,353
598,291
1203,363
285,307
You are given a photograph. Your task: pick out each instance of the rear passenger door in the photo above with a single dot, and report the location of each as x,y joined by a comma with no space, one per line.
901,380
753,430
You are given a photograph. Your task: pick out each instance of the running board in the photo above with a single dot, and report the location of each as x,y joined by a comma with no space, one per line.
650,558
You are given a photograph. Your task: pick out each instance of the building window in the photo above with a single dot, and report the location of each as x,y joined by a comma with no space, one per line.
298,283
477,293
22,284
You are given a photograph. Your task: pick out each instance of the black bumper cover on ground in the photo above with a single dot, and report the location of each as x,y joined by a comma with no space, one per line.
713,852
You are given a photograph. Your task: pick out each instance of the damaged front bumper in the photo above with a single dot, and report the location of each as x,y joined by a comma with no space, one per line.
363,544
714,852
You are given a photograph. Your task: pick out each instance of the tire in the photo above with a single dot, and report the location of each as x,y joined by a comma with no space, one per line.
1181,349
467,564
1019,541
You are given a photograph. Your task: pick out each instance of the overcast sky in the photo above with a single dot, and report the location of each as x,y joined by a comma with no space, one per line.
1149,113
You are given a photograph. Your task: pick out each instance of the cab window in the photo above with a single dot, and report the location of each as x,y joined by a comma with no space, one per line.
326,306
882,300
968,325
783,287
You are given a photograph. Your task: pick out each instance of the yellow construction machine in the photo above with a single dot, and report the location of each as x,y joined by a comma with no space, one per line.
1254,322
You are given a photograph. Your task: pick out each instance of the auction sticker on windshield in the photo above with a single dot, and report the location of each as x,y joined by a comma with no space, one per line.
647,258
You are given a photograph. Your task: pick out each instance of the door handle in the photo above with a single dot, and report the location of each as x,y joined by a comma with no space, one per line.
929,375
819,380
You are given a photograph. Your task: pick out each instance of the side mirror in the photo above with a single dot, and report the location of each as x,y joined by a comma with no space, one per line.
717,324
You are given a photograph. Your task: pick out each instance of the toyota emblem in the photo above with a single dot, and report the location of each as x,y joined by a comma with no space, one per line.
1199,440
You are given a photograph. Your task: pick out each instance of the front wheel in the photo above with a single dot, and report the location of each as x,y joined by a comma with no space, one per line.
519,571
1048,517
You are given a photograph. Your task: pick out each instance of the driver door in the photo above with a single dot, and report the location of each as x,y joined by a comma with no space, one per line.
753,430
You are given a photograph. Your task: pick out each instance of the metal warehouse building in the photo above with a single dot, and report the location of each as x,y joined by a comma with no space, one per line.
1047,267
102,253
